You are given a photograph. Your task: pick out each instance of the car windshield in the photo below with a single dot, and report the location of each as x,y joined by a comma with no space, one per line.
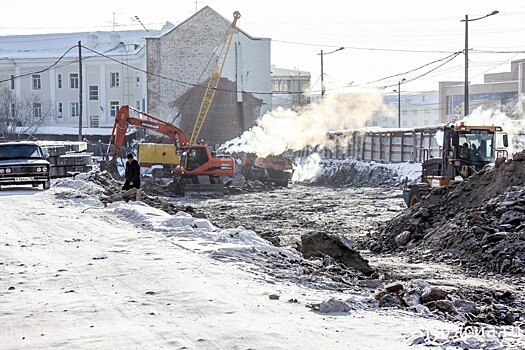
20,152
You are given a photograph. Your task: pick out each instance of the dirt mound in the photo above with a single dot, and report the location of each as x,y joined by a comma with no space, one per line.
354,173
478,224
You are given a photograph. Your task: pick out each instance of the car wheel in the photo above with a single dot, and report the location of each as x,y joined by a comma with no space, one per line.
46,185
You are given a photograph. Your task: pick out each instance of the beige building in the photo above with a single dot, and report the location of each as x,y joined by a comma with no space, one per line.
503,91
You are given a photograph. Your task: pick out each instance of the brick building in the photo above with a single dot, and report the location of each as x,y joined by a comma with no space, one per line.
181,61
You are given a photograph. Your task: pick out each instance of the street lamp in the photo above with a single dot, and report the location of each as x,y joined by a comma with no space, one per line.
399,101
466,20
323,89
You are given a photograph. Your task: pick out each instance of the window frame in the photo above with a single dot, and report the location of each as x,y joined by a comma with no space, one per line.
73,80
37,110
36,82
74,106
114,79
112,110
91,96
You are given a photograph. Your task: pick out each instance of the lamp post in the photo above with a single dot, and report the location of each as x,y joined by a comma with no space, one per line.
323,89
399,101
466,20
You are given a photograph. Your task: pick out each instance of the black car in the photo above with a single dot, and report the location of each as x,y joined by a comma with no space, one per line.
23,163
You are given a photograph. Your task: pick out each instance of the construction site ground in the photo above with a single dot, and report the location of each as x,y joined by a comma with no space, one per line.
283,215
456,256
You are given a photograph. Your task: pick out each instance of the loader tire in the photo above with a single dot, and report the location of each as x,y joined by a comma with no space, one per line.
417,192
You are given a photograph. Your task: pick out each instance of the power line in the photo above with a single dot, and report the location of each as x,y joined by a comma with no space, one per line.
362,48
42,70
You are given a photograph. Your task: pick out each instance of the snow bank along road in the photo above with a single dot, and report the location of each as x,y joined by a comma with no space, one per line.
75,275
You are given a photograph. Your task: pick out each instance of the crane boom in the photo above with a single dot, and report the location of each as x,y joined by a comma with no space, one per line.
213,82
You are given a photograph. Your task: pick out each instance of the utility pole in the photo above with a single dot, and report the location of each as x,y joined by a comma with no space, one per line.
399,101
323,88
466,96
80,91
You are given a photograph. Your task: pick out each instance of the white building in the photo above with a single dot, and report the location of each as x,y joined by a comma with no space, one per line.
291,88
44,69
417,110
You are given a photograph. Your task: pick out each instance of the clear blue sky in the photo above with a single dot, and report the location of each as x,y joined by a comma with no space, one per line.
382,38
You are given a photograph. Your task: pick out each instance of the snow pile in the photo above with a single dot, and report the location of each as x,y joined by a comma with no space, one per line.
351,172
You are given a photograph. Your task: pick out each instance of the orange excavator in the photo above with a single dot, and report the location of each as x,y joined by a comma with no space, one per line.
199,171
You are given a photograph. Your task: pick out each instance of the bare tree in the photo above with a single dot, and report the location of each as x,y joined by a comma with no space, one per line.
20,118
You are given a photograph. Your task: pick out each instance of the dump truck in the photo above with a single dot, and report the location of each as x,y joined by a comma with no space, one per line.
277,170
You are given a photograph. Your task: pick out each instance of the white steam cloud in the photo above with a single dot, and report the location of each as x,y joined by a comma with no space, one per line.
282,130
306,169
514,128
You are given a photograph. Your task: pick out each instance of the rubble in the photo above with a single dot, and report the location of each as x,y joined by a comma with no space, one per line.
478,224
337,247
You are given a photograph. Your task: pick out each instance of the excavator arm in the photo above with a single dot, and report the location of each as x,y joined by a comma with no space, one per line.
213,82
123,120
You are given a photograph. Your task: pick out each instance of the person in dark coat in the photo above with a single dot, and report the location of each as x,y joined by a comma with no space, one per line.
132,174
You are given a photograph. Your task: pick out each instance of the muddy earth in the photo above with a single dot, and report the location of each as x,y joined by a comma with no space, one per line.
425,281
283,215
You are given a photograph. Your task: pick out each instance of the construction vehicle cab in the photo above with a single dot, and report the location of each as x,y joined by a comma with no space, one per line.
197,163
466,150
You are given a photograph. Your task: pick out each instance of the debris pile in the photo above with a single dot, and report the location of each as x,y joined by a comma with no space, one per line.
448,304
350,172
112,192
478,224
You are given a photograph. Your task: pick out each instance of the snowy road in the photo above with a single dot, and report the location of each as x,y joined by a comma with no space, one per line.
74,275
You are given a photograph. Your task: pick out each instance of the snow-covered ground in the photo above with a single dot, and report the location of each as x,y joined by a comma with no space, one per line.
77,275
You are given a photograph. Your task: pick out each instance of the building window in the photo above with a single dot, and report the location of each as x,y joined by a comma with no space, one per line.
74,110
137,104
93,121
422,98
73,80
37,110
426,122
93,92
12,81
414,112
60,109
405,112
404,123
59,81
37,83
113,107
137,79
114,79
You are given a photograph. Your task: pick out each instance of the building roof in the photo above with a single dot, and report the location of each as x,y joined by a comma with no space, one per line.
55,45
288,72
206,8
